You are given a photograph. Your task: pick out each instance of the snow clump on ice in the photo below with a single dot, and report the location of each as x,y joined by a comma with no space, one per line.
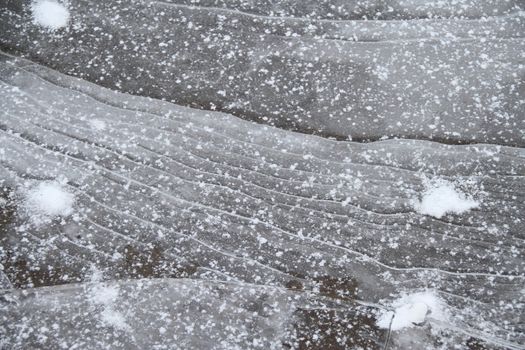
443,198
48,200
50,14
411,310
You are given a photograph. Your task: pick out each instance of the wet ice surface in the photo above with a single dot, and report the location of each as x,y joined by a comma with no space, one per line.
129,222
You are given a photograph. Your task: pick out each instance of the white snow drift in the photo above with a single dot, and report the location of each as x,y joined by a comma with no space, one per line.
48,200
411,310
443,198
50,14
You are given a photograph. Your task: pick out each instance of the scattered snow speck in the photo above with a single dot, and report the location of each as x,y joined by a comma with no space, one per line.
50,14
48,200
411,310
3,202
97,124
444,198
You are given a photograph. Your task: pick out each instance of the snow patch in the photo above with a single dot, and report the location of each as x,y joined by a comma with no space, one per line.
48,200
50,14
443,198
413,309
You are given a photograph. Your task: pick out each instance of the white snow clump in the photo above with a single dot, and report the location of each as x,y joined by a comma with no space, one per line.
443,198
48,200
411,310
50,14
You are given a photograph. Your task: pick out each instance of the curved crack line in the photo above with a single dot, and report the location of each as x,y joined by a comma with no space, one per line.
301,198
256,198
151,223
225,137
321,242
214,174
313,20
361,253
357,145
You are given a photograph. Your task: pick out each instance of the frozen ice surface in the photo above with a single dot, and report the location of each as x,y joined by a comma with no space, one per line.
201,200
50,14
172,221
449,71
164,314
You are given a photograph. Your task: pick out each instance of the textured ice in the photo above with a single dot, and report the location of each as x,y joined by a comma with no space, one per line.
201,200
453,72
191,227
